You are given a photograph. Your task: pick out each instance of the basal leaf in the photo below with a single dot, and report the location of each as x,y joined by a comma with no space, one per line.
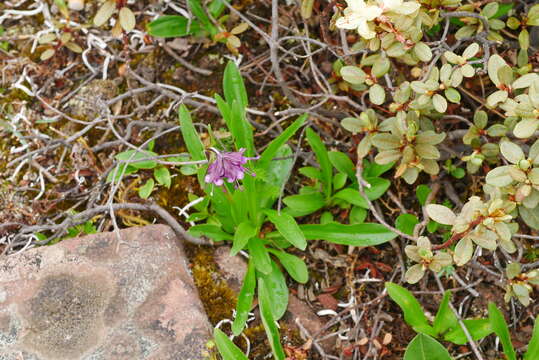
445,318
277,290
168,26
295,266
533,346
323,159
279,141
233,85
497,321
260,256
227,349
305,204
342,162
269,323
190,135
288,228
245,299
214,232
366,234
244,232
424,347
406,223
413,312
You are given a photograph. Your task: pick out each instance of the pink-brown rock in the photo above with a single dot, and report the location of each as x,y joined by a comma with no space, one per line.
82,299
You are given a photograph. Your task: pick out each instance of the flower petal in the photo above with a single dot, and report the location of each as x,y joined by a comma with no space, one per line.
348,22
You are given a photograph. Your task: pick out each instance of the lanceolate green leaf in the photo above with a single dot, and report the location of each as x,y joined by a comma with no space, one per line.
478,329
214,232
342,162
216,7
259,255
227,349
245,299
190,135
323,159
413,312
269,323
233,85
499,326
533,346
366,234
244,232
352,196
241,129
277,172
277,291
196,8
172,26
224,109
305,204
280,140
223,209
445,318
295,266
378,187
423,347
288,228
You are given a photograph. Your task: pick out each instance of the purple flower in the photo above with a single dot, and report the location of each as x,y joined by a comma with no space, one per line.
229,166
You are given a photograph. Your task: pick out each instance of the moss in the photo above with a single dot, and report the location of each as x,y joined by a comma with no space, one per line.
219,301
217,297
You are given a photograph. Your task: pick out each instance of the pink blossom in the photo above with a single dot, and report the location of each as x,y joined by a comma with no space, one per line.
229,166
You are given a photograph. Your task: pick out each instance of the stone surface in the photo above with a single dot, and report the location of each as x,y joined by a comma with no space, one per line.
81,299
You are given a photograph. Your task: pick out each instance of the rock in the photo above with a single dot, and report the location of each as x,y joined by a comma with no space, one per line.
233,269
91,98
81,299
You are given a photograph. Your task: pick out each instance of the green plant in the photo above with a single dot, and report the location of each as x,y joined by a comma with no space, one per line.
491,13
499,326
227,349
207,22
244,214
486,224
178,26
401,138
334,183
424,347
131,161
445,325
86,228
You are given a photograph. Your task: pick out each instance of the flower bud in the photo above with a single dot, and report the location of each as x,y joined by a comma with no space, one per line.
524,164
